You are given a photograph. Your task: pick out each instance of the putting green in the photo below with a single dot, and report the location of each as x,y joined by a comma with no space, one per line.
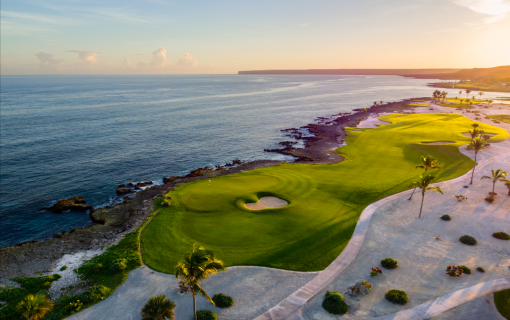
325,201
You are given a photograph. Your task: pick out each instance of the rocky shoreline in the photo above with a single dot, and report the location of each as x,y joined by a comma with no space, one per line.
320,141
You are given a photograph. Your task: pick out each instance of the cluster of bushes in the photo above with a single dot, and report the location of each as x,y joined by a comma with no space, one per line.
334,303
31,287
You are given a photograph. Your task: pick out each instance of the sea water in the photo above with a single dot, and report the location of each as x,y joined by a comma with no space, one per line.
68,136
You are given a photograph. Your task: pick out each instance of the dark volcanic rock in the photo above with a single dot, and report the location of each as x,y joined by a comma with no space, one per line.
69,204
124,191
120,186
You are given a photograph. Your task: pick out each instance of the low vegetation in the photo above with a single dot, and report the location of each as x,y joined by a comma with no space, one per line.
466,269
389,263
502,301
158,308
397,296
469,240
334,303
480,269
222,301
500,117
501,235
206,315
446,217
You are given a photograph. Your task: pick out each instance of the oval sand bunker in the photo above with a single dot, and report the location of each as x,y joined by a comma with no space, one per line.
267,203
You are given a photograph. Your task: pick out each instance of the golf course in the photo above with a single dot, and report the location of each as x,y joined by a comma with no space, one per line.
323,201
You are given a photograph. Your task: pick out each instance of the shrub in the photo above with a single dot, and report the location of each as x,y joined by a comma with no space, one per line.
117,266
334,303
397,296
222,301
158,307
461,197
454,271
38,283
469,240
63,268
34,307
465,269
501,235
466,187
206,315
375,271
446,217
95,293
481,269
489,199
389,263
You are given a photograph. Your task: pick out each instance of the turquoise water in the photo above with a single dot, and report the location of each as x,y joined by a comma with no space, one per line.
67,136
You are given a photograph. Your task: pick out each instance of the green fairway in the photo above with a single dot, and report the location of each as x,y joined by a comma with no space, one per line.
502,300
500,117
325,201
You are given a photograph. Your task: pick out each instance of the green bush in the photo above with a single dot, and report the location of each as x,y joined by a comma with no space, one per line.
117,266
389,263
469,240
206,315
397,296
95,293
480,269
63,268
466,269
334,303
37,283
446,217
222,301
501,235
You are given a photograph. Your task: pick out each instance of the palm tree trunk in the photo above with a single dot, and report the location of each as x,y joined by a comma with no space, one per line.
473,172
493,186
194,305
412,193
422,198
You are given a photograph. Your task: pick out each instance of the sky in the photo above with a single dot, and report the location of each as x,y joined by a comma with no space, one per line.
223,37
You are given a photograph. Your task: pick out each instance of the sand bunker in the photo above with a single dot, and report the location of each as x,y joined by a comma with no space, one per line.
371,122
437,143
267,203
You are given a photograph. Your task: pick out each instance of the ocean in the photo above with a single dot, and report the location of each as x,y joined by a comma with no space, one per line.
68,136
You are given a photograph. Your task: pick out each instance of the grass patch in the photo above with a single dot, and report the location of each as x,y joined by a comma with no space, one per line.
502,301
476,86
500,117
325,201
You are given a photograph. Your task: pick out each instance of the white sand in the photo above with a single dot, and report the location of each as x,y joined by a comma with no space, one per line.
372,122
267,203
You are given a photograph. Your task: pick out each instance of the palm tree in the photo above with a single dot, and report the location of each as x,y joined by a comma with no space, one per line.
507,184
376,104
424,185
496,175
460,92
428,163
475,133
480,94
467,93
158,308
198,265
490,101
477,145
34,307
444,94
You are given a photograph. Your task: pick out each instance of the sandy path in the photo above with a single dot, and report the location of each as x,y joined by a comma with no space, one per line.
267,203
254,289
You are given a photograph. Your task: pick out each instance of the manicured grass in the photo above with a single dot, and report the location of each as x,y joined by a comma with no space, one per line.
502,300
420,104
475,87
500,117
325,201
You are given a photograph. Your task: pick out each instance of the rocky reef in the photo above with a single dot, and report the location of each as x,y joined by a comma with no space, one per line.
77,204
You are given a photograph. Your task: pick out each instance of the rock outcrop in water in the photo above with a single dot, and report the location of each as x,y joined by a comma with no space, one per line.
77,204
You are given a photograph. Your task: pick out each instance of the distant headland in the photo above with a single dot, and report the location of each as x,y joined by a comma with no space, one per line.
392,72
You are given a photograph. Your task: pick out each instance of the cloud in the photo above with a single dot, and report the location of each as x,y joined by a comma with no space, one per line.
127,63
47,59
497,9
187,61
159,58
109,65
87,58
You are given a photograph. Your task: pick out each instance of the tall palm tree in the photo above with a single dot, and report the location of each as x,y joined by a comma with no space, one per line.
480,94
428,163
496,175
34,307
424,185
467,93
476,145
490,101
376,104
158,308
444,94
460,92
475,133
197,265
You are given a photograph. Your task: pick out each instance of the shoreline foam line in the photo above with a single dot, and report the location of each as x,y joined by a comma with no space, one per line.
290,308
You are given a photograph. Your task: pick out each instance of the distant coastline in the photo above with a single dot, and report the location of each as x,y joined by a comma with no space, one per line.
366,72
